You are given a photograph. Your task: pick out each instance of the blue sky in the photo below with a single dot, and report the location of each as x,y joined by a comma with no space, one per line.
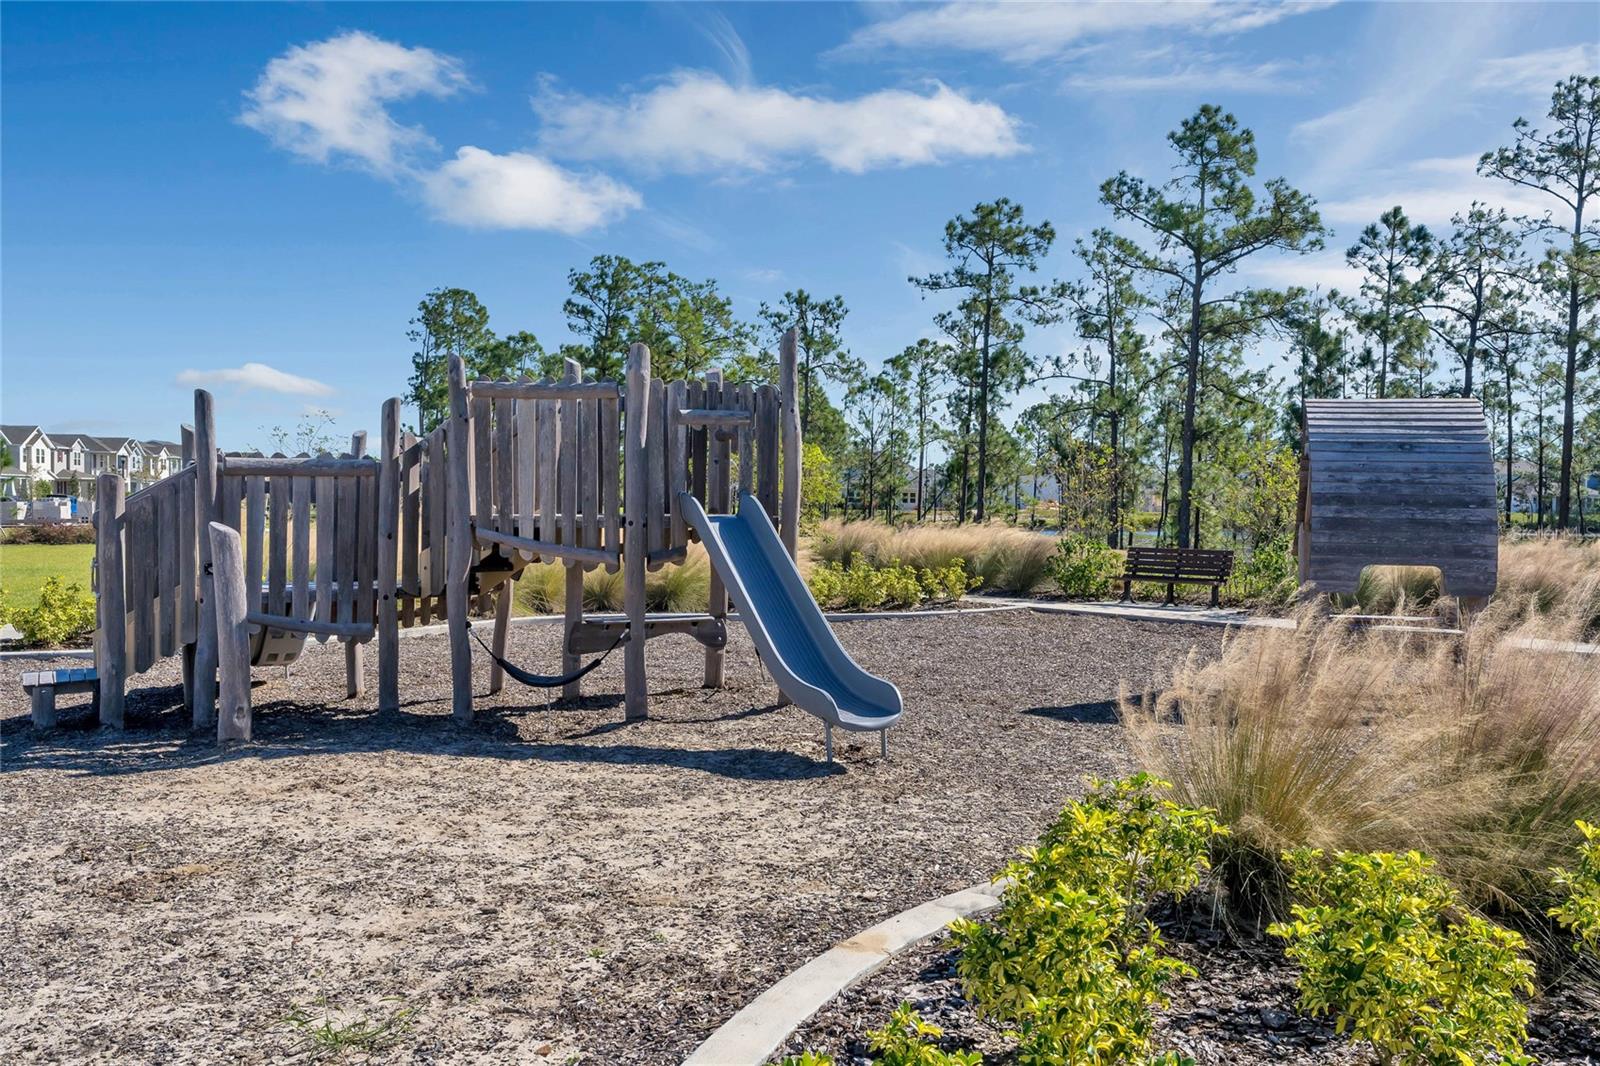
256,196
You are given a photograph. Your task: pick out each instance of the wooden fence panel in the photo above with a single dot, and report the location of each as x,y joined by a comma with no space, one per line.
344,538
610,475
327,562
255,528
505,465
277,548
188,562
677,462
300,492
166,545
141,556
657,420
549,479
527,417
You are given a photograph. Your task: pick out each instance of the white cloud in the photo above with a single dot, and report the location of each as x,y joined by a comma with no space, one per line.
1431,191
1536,72
1202,73
486,190
257,376
326,100
1031,32
697,122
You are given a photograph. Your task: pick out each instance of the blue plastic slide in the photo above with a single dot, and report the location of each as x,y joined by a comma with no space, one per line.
794,639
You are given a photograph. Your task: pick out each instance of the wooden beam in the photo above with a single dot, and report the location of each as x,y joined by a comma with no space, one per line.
278,466
545,390
350,631
591,637
703,417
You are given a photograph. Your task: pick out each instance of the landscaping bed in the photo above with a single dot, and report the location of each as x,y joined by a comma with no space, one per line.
1239,1010
545,885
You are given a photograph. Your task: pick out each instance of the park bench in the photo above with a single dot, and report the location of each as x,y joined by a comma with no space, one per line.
1189,566
42,686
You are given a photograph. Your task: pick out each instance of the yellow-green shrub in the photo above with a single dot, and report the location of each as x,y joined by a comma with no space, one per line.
1579,910
901,1042
1384,948
64,613
1084,566
1071,960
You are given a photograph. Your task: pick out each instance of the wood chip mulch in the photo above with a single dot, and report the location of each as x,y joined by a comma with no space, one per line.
548,884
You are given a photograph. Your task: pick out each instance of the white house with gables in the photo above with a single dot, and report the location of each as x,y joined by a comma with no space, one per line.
68,463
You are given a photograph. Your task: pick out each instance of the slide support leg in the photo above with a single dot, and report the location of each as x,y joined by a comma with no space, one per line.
883,744
827,739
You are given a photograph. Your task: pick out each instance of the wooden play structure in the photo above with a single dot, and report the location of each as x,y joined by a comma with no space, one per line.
1397,482
233,562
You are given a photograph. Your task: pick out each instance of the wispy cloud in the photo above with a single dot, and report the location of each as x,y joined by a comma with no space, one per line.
696,122
256,376
325,101
1431,191
1536,72
716,28
1032,32
1199,73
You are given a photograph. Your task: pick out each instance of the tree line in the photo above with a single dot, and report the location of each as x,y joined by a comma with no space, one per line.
1158,400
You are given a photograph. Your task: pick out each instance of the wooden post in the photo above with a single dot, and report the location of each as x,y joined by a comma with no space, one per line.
355,655
205,512
111,637
789,388
502,622
789,430
570,496
458,564
233,633
716,503
635,490
44,707
388,560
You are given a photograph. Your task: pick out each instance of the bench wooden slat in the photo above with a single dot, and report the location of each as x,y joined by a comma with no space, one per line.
1170,566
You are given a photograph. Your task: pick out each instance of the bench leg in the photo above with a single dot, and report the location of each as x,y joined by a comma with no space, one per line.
1127,592
44,707
1171,596
1216,592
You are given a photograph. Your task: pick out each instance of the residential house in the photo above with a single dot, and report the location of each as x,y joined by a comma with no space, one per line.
32,460
70,462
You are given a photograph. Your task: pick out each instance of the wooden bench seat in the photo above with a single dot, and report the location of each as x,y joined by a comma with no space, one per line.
42,686
1173,566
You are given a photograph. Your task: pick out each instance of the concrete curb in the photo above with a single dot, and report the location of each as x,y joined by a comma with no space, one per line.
750,1037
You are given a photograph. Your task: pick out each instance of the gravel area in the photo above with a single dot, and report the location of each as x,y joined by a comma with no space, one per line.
545,885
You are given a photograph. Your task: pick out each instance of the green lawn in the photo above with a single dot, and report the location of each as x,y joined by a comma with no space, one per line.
24,568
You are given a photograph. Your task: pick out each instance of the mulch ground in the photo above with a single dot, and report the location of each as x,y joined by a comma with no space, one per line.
547,884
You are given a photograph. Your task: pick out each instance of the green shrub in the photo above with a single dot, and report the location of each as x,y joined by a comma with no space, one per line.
1084,566
902,1042
1071,960
944,584
64,613
1580,910
862,586
1270,576
50,533
1383,948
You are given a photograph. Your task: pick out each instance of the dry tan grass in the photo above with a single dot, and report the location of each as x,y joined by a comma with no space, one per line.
680,587
1479,750
1004,558
1557,573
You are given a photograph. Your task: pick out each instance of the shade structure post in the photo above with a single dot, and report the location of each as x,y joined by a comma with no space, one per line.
458,562
111,630
635,489
205,512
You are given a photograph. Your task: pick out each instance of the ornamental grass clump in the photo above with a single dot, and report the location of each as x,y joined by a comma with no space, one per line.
1071,960
1384,948
1001,558
1479,750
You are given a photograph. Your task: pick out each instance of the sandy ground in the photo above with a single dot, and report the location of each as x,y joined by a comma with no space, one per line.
545,885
